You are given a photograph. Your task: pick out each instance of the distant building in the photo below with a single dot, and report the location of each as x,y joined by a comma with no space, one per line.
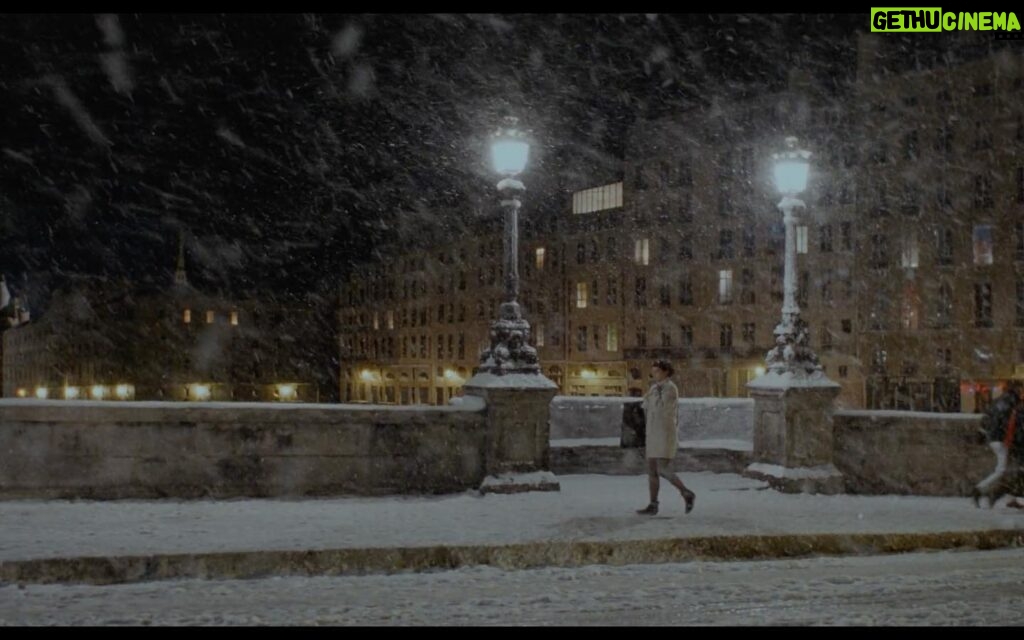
910,265
112,340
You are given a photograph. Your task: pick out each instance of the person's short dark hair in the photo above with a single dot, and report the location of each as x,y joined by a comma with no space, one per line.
1015,386
665,366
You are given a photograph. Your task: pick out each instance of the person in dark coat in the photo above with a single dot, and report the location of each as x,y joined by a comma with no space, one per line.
1003,428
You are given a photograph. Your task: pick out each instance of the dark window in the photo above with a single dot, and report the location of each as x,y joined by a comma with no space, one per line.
944,238
747,293
581,339
725,336
1020,303
748,243
685,248
983,304
685,290
943,307
982,136
749,332
665,249
1018,253
879,251
982,192
910,146
612,292
640,292
944,140
725,246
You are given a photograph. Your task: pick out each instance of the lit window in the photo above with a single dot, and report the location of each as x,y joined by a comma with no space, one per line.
209,317
187,316
909,258
725,286
608,196
643,252
801,239
376,321
538,334
234,318
612,338
581,295
391,319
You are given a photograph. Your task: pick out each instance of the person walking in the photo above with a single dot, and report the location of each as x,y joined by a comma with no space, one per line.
661,409
1003,428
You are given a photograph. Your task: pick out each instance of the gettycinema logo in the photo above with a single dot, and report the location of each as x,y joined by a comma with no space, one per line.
935,19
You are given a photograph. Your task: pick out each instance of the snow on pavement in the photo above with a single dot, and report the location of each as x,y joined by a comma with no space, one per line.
588,507
970,588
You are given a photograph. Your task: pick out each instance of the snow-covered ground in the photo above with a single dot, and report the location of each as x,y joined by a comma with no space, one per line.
943,588
588,507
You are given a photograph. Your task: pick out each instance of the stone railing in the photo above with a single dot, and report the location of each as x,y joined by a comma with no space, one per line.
707,419
908,452
112,450
715,434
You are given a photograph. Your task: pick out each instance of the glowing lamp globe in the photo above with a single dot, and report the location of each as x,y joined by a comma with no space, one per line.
791,168
509,149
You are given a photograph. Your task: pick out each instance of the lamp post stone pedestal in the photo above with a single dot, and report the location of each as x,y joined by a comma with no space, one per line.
794,399
793,433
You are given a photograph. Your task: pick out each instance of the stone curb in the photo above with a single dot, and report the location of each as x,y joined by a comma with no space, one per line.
336,562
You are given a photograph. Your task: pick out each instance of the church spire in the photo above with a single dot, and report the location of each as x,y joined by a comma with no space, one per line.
179,274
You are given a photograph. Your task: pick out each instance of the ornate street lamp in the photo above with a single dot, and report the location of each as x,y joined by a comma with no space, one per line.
510,351
792,352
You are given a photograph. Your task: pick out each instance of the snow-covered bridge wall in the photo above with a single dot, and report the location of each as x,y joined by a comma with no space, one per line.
113,450
908,452
581,417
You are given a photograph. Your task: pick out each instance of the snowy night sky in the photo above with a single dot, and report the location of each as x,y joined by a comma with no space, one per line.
285,145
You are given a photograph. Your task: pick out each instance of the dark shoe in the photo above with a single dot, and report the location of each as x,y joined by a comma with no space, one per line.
976,496
649,510
995,494
689,497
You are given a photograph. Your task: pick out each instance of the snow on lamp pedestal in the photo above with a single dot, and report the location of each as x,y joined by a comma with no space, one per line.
793,399
517,395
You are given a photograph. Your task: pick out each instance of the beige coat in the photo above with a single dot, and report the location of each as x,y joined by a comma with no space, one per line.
661,408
